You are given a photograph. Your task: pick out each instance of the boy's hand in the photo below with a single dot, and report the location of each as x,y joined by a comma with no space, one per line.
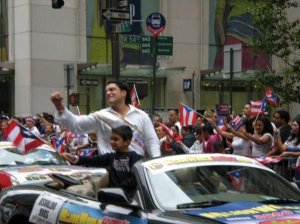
69,157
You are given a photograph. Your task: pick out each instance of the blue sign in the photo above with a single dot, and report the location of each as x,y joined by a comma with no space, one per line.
155,23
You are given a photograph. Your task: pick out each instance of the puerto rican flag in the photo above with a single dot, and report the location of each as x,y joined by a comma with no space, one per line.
220,122
22,137
168,131
58,143
237,179
134,97
259,106
272,98
237,122
188,116
88,152
268,159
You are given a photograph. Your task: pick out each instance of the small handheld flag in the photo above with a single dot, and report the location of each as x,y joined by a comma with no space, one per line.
188,116
134,97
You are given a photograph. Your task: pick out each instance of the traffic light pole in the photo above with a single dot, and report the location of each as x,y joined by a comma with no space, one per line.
154,73
115,46
68,86
231,78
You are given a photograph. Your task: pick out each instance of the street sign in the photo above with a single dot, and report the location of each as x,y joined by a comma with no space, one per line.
123,27
116,14
122,4
88,82
130,39
155,23
164,45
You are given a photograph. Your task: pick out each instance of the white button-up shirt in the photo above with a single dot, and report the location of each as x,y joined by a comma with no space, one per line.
144,141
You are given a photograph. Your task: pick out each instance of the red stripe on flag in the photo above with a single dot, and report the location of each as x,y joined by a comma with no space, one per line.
10,127
187,116
33,144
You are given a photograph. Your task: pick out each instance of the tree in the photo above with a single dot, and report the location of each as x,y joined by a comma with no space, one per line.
281,38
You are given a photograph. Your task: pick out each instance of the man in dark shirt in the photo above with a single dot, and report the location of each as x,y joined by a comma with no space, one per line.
118,164
281,120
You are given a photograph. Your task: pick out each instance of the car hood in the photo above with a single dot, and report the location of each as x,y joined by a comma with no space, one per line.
246,213
39,173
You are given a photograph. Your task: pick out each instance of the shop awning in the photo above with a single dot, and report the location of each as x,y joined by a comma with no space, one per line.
130,71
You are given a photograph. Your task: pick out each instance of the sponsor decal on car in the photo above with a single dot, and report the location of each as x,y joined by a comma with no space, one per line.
46,208
250,212
74,213
173,162
38,174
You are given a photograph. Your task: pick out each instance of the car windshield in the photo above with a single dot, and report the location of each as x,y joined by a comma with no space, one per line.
211,185
10,156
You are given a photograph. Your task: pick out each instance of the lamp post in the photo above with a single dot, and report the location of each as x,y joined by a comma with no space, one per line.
231,77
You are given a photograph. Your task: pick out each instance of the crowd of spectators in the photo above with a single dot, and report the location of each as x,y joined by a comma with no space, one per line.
258,137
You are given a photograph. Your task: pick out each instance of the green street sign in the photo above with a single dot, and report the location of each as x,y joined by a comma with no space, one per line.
164,45
130,39
123,27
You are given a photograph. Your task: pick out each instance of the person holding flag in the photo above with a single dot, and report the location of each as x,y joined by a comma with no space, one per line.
237,141
262,140
188,139
197,147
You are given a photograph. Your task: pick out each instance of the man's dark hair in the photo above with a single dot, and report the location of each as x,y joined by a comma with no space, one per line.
124,131
284,115
219,146
198,130
122,86
189,128
208,128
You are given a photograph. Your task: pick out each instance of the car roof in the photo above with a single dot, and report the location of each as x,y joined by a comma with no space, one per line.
163,164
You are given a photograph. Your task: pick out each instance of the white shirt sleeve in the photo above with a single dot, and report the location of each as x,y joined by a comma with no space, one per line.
195,148
75,123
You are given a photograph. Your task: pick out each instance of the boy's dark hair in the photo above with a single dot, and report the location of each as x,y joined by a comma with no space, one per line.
208,128
122,86
124,131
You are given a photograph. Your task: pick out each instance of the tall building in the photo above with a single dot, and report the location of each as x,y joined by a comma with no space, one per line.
72,49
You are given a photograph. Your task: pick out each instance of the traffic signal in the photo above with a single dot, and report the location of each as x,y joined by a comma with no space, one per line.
57,4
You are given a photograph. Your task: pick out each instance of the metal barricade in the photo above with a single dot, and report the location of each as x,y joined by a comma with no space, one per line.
285,168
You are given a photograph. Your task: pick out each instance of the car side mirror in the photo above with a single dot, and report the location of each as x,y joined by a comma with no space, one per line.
115,196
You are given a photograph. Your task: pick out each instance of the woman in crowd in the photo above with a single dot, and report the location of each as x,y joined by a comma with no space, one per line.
197,147
48,133
291,147
238,142
188,139
262,140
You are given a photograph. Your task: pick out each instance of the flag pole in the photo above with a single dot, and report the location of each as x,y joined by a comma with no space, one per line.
260,110
78,110
137,96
